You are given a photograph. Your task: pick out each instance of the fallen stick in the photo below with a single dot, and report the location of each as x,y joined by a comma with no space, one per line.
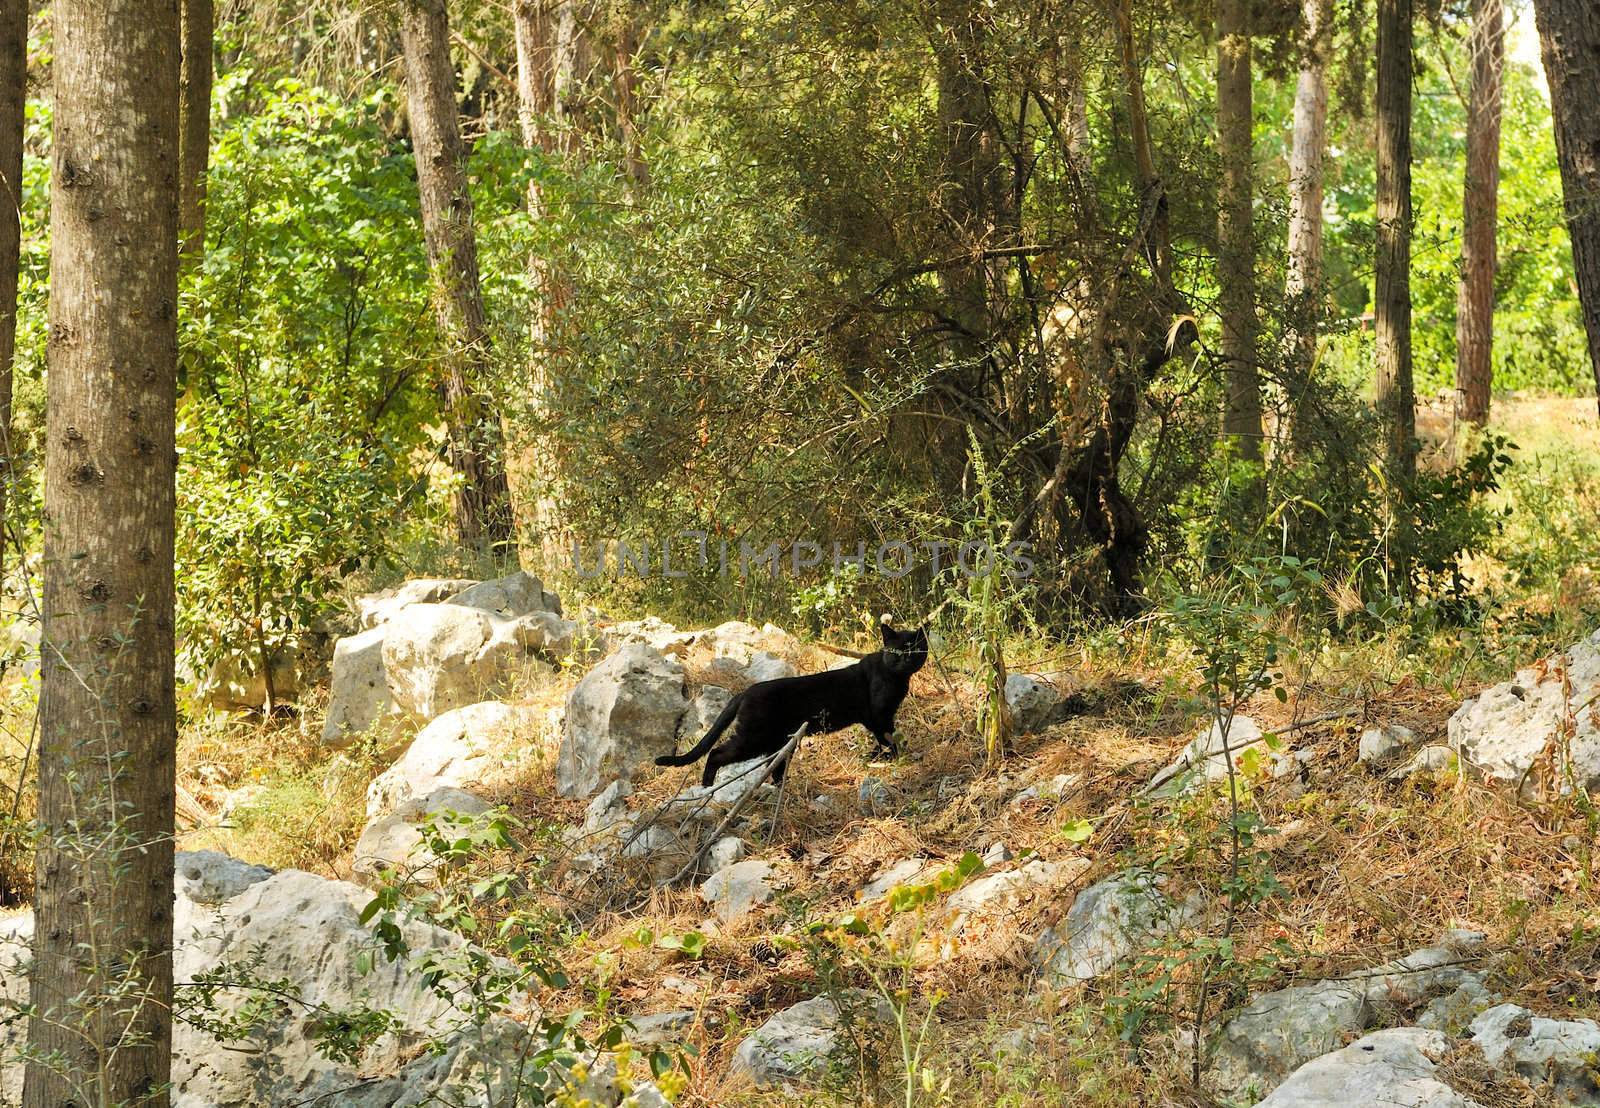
744,802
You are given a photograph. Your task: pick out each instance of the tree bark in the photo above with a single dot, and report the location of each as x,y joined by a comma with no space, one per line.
625,80
102,981
1241,421
573,65
194,143
1396,400
1481,198
13,98
1569,38
1302,286
483,500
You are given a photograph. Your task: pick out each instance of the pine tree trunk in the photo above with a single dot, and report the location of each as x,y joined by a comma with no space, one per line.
1475,297
573,65
1396,401
102,981
625,79
534,24
194,143
1241,421
13,97
1569,37
1302,286
483,501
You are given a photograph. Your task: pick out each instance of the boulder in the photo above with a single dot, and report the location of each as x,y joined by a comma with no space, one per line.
358,691
1109,921
797,1044
742,642
304,930
1206,758
1394,1067
1379,743
761,666
212,877
376,609
234,683
620,717
736,890
1430,759
510,597
393,842
1560,1053
1279,1031
463,748
651,631
1032,702
1503,731
990,900
702,713
438,657
907,871
662,1027
726,851
708,804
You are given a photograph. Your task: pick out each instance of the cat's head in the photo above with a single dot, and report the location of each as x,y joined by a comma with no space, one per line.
904,651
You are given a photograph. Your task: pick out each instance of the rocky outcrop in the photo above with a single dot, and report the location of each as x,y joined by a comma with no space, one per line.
1396,1068
358,690
619,718
1563,1054
796,1045
393,842
1109,921
461,749
1279,1031
433,645
1503,731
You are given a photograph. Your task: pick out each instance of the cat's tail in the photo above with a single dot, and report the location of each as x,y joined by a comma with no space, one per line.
709,741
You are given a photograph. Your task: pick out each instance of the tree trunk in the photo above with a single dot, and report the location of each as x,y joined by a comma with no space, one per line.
102,981
625,78
573,64
13,96
483,500
194,128
1392,293
1569,37
1475,298
1236,256
1302,286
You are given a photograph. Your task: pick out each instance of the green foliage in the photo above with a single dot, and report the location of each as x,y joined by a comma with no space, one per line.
305,397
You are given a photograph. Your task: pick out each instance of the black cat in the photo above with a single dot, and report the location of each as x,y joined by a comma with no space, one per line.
767,713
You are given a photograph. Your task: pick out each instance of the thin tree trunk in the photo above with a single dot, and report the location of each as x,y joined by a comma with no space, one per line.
1241,421
573,65
1392,293
13,97
625,78
1569,38
1302,286
483,500
102,979
194,128
1481,199
534,23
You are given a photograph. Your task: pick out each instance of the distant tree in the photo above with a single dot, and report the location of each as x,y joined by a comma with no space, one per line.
1303,284
194,127
1396,399
13,96
1481,197
1569,37
483,498
101,1026
1236,257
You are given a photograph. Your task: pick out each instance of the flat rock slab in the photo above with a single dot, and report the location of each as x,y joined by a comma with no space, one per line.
1394,1068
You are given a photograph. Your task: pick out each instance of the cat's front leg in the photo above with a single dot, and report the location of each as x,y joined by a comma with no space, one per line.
886,745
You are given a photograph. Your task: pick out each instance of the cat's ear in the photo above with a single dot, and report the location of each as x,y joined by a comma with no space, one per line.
887,633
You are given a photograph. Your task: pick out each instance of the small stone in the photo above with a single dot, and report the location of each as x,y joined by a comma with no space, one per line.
738,889
725,852
1378,743
872,798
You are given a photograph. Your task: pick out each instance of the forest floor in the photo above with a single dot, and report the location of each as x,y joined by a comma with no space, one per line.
1357,867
